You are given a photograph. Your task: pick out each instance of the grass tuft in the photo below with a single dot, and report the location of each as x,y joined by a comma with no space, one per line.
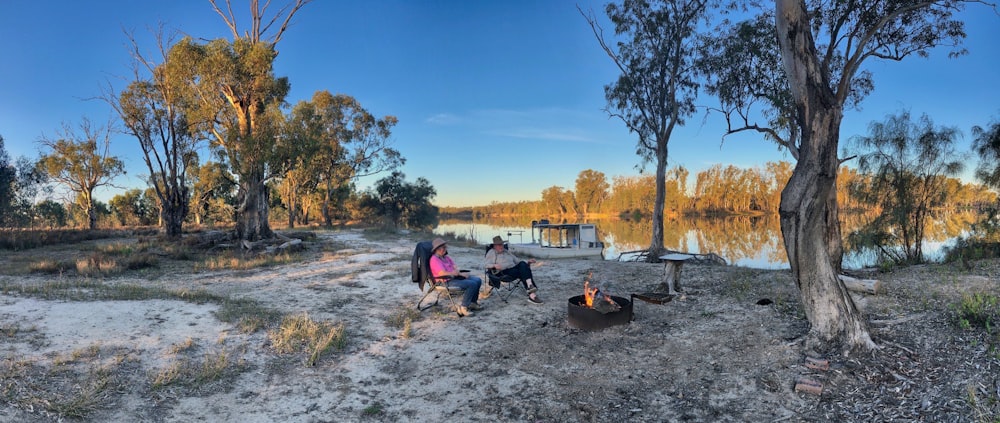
235,261
300,333
195,374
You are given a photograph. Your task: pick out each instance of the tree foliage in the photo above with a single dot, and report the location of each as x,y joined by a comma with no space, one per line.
134,208
591,190
331,141
213,193
909,164
986,144
401,203
8,187
82,162
20,182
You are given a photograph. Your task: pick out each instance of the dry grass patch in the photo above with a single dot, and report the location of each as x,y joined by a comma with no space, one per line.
51,267
74,386
237,261
302,334
197,373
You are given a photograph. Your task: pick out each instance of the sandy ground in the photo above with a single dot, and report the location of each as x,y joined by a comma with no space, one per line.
712,355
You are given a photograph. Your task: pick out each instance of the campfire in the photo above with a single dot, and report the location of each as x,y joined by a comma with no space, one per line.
594,298
596,309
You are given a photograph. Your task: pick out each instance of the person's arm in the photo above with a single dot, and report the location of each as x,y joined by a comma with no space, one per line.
491,259
517,260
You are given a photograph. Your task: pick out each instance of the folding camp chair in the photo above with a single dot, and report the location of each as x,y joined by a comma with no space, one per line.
421,269
506,284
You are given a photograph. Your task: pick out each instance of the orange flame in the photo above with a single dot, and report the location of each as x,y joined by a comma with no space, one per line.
594,294
589,294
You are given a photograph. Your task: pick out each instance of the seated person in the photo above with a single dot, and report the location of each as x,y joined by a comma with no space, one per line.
443,269
501,261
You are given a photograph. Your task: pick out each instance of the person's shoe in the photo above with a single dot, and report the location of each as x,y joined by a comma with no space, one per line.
485,295
474,306
534,299
463,311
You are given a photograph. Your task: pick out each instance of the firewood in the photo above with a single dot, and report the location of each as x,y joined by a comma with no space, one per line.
809,386
817,364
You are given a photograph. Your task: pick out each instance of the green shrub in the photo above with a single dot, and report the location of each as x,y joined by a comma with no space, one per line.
978,311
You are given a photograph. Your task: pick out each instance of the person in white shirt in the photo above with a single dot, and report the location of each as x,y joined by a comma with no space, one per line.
501,261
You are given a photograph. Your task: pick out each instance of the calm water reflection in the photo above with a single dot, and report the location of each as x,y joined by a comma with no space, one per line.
745,241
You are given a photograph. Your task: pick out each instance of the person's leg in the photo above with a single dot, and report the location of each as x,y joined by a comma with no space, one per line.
524,269
524,272
471,285
468,285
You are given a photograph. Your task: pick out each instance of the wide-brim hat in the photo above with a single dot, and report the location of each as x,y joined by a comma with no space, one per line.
437,243
497,240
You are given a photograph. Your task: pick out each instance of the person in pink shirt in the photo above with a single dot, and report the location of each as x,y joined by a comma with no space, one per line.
444,270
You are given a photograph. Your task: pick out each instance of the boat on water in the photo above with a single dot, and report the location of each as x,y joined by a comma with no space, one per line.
560,240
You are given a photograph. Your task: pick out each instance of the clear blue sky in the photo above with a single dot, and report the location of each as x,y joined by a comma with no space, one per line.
481,88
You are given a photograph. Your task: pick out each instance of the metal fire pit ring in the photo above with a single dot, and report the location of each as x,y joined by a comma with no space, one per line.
582,317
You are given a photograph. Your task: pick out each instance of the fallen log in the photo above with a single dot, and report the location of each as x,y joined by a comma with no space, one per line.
867,286
295,244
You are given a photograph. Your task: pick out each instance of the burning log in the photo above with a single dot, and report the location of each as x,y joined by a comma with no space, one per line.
596,300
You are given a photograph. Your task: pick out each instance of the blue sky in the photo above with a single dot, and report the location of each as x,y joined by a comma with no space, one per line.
496,100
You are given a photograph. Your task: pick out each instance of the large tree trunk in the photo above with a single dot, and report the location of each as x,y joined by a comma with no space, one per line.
327,212
173,211
91,210
808,208
656,243
252,224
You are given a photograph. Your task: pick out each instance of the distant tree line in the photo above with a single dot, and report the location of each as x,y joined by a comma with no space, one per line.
718,190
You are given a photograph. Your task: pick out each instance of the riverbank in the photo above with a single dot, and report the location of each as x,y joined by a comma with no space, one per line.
712,355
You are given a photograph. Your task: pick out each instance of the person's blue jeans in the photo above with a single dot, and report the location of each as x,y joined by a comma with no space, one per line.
470,285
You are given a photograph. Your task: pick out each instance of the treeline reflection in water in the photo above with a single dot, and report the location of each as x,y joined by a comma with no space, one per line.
750,241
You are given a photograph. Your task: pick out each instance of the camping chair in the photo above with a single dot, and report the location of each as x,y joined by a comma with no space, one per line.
421,269
506,284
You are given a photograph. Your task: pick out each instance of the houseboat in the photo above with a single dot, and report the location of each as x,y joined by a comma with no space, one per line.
561,240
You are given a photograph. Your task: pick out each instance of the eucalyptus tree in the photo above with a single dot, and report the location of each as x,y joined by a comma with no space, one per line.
558,201
154,109
910,164
658,83
233,86
338,141
591,190
800,66
81,162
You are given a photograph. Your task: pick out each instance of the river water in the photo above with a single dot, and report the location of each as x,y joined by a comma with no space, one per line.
753,242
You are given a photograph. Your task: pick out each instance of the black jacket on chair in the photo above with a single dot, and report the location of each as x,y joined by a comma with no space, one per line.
420,263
